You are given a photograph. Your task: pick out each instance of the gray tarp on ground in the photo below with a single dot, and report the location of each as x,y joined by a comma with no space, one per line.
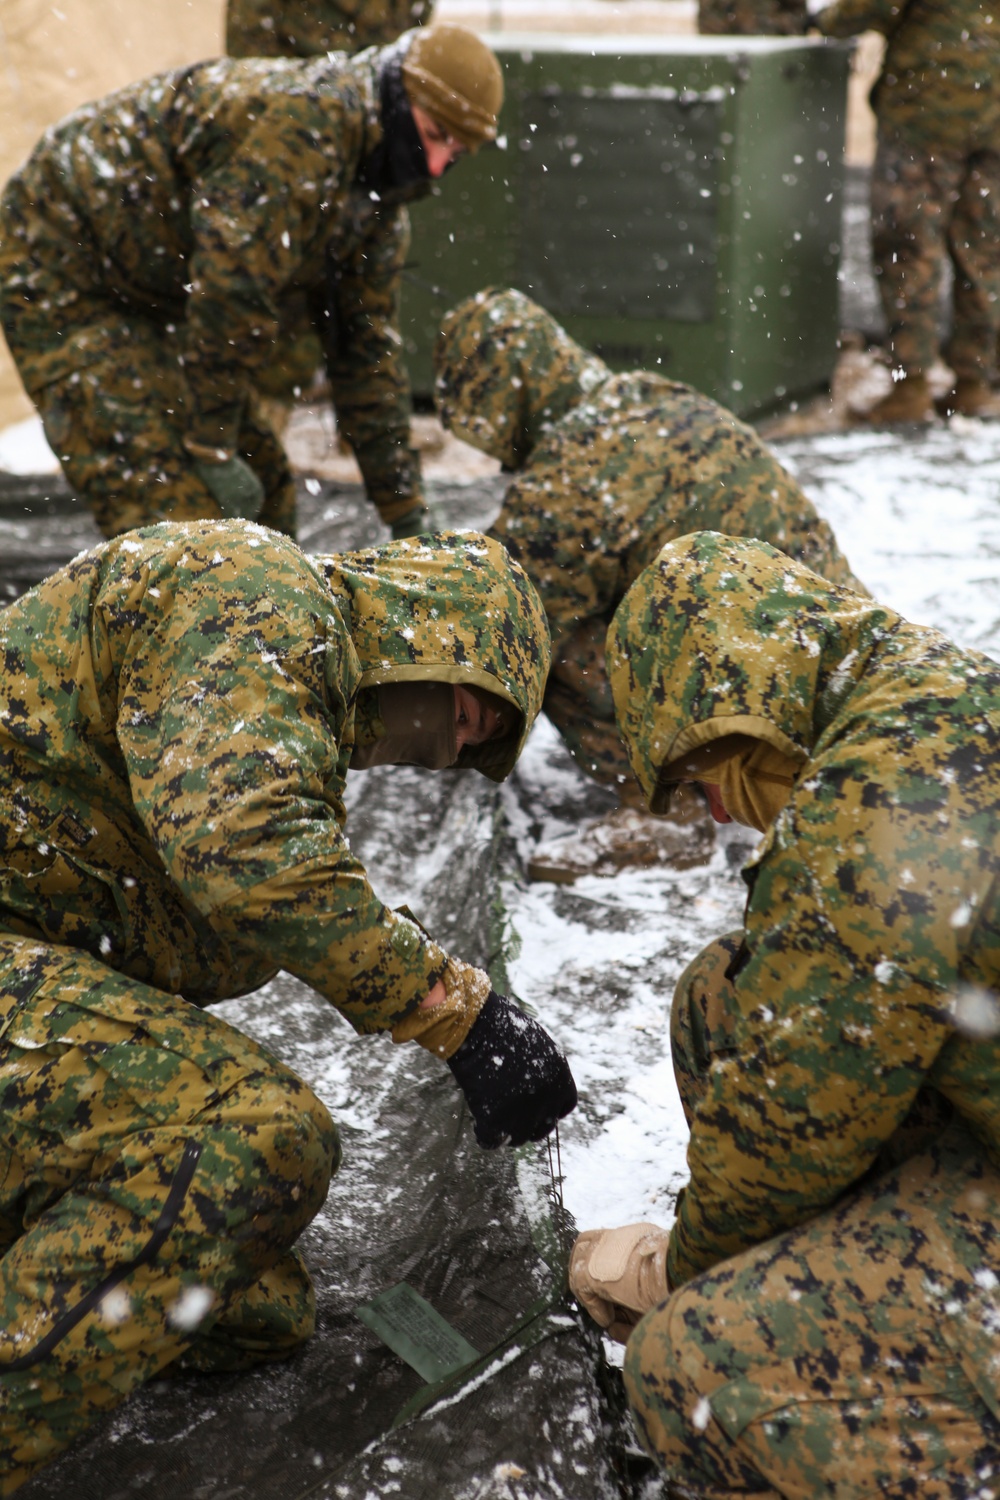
415,1200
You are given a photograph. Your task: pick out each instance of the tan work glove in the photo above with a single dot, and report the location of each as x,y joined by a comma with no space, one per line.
619,1274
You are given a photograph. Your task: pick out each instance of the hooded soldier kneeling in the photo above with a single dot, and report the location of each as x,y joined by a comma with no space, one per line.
821,1319
180,710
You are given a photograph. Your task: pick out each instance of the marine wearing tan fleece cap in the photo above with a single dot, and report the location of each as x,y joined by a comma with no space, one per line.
453,75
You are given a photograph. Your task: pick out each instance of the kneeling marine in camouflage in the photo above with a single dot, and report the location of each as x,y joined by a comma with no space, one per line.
180,710
821,1318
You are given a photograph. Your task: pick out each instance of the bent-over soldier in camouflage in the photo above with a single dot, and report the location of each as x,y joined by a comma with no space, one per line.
935,191
160,245
606,468
180,709
311,28
822,1317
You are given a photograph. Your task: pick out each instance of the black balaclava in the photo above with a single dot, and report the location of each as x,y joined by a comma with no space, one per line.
397,169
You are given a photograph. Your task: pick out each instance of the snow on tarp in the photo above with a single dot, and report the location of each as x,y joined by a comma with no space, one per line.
415,1200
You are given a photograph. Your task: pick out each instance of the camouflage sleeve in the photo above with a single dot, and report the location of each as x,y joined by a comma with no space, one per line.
364,357
229,720
849,17
247,218
842,1005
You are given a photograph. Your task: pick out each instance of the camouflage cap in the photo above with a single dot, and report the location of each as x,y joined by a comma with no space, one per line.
724,635
452,74
504,369
453,607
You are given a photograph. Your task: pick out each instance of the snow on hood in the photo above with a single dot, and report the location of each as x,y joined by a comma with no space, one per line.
724,635
505,371
449,608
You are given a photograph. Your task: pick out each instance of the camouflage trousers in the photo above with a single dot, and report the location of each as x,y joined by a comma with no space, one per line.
156,1168
117,427
752,17
928,208
852,1356
110,391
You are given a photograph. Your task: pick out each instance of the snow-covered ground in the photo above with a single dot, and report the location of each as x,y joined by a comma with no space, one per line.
918,515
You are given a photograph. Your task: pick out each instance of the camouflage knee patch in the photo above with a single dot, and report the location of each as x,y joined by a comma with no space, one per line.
117,426
157,1164
268,1321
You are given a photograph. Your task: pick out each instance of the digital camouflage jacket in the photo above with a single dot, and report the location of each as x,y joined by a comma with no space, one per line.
752,17
606,467
178,712
872,927
219,200
940,81
309,28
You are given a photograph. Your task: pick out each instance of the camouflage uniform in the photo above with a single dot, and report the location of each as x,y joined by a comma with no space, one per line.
936,184
752,17
835,1262
154,248
607,468
309,28
179,708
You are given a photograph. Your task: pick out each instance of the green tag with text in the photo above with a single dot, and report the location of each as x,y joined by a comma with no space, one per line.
412,1329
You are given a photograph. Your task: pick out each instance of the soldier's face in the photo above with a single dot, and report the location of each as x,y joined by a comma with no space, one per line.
475,721
440,148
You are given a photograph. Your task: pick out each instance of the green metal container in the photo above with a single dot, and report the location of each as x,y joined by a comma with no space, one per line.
673,201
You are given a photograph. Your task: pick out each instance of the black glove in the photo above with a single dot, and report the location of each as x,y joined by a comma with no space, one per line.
516,1082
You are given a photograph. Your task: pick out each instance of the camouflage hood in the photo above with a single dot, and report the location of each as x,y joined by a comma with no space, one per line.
452,609
505,371
725,636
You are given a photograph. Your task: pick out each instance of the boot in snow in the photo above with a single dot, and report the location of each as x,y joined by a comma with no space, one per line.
970,398
628,838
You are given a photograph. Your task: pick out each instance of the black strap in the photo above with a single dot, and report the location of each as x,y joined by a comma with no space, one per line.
169,1215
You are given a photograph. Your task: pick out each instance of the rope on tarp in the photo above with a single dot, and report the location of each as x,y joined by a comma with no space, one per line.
550,1226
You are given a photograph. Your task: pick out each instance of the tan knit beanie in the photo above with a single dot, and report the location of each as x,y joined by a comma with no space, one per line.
453,75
